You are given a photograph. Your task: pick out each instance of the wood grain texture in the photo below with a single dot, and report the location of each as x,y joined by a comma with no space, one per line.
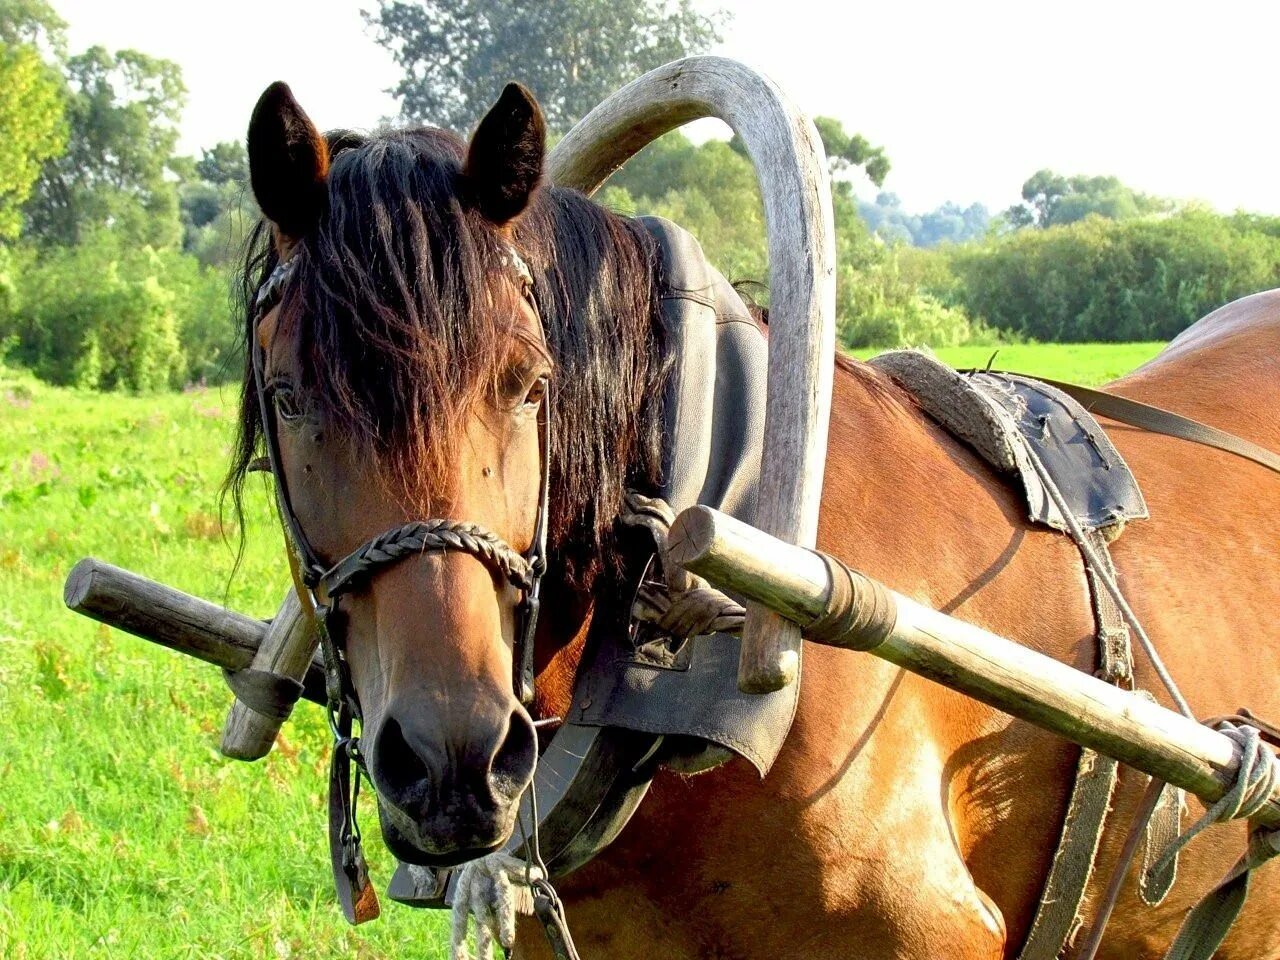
999,672
286,650
171,618
791,166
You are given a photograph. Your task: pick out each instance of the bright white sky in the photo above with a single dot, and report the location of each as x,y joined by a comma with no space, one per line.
968,97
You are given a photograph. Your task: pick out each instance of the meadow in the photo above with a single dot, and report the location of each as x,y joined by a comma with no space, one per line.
123,831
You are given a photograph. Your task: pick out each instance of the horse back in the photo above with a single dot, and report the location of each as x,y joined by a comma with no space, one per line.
1223,369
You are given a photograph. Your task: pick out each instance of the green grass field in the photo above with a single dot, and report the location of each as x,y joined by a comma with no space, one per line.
1086,363
123,832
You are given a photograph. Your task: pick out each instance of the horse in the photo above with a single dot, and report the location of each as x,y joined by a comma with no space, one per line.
410,367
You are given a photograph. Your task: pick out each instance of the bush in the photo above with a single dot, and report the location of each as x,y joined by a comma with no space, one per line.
100,316
1119,281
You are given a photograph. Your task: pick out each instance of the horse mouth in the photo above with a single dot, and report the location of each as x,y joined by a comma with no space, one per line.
444,841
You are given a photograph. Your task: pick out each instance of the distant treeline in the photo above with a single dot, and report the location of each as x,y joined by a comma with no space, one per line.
118,256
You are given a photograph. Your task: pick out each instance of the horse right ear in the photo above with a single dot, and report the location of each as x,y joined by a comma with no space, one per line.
288,163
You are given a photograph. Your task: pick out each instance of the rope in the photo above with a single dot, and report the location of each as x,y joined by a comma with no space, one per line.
1251,788
682,604
492,890
1252,784
426,535
1109,582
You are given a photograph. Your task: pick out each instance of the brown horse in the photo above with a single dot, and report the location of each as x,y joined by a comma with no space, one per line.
901,819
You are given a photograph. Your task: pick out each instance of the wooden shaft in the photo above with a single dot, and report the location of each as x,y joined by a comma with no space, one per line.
791,166
171,618
287,649
1029,685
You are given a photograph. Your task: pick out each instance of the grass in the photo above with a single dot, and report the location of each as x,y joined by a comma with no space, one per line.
1086,363
123,832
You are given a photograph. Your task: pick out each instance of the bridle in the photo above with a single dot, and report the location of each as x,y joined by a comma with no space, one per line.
326,585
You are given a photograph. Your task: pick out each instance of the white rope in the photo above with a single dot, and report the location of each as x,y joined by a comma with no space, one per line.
491,890
1251,788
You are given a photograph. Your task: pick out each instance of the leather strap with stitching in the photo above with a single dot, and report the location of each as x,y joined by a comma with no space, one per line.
1158,420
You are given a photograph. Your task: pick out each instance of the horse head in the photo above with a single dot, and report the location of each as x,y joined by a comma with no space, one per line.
413,303
406,374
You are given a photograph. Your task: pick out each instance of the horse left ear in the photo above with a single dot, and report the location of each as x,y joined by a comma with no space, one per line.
504,159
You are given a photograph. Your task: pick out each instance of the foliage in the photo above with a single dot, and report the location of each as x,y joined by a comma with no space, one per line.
33,23
846,151
949,223
1051,200
31,127
216,204
710,190
1101,279
105,315
458,54
122,114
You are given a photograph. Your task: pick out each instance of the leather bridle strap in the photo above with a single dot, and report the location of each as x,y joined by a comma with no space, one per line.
1158,420
422,536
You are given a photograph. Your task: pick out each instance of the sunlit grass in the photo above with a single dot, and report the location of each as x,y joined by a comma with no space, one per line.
123,832
1085,363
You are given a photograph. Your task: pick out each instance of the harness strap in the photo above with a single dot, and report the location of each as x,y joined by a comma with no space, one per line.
1158,420
423,536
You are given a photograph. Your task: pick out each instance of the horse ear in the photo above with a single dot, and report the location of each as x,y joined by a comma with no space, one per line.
288,162
504,159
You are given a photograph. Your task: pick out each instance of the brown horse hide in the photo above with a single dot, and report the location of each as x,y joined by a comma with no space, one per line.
906,821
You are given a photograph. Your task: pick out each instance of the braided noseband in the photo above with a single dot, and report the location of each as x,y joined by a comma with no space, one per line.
422,536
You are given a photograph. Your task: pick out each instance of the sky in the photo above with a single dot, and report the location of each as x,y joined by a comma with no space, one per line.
967,98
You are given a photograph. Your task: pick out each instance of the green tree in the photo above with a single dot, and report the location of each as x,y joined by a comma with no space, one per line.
122,114
846,151
457,54
1100,279
1051,200
33,23
32,129
226,162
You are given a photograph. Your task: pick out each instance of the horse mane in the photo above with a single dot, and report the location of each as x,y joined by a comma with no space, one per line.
392,309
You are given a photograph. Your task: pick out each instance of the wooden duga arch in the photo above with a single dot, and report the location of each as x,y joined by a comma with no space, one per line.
791,167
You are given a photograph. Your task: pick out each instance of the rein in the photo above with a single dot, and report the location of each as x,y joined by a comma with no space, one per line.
327,584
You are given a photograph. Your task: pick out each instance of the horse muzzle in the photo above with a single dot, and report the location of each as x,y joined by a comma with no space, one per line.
448,799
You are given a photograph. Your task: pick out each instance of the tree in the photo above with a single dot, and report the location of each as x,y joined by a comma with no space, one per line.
32,129
848,150
215,202
122,114
1050,199
458,54
33,23
948,223
226,162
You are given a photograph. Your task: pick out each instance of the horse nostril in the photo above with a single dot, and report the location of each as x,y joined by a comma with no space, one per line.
513,763
402,771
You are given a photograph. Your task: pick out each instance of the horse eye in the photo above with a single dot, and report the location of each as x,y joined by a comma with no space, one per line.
536,392
286,404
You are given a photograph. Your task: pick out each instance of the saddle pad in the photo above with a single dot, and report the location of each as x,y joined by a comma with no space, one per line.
1002,416
714,414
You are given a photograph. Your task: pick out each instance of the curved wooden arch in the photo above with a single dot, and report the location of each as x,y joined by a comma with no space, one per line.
791,167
